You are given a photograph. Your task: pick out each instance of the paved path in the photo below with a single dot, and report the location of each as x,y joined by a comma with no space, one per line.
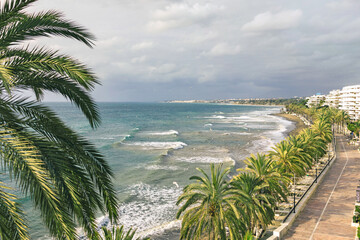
328,214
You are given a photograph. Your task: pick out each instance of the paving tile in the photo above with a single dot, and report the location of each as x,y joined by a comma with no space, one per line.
336,219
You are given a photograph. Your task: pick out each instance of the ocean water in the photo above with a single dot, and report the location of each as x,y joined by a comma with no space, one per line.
153,149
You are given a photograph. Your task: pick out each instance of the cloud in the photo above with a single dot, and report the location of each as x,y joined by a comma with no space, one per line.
268,21
181,15
163,69
214,49
109,42
222,49
207,74
142,45
344,4
138,59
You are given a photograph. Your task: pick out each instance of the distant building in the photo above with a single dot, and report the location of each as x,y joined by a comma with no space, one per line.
315,100
346,99
349,101
333,98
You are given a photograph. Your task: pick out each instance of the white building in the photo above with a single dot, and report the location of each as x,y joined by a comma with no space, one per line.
350,101
347,99
315,100
333,98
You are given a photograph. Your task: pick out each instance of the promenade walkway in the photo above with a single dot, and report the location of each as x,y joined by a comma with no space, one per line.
328,213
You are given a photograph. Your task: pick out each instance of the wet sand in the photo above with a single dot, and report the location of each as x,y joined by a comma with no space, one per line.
299,124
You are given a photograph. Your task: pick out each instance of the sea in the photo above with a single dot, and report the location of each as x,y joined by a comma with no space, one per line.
154,148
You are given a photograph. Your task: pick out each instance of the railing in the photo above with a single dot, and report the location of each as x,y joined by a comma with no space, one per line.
292,210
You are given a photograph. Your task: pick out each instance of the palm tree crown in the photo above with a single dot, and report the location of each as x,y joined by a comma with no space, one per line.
66,177
207,206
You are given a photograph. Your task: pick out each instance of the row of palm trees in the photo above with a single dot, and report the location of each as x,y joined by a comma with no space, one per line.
241,207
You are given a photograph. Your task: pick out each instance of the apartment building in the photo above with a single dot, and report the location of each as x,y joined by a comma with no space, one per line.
315,100
349,101
333,98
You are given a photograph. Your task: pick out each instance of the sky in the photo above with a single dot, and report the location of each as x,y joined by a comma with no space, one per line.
157,50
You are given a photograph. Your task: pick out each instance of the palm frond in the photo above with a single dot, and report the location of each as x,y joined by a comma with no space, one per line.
12,219
50,23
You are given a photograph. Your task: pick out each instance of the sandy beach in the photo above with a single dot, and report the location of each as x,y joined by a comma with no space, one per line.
299,124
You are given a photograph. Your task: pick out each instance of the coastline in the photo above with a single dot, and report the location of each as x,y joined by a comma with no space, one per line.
171,230
299,124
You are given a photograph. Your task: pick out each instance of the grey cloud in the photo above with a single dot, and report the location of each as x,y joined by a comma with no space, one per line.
202,49
182,14
268,21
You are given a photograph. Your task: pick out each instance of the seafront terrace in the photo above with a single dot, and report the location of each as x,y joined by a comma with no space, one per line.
328,213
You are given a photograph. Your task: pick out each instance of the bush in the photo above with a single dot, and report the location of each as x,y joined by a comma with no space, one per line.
357,209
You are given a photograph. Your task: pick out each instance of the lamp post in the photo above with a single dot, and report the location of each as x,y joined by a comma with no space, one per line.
316,167
294,192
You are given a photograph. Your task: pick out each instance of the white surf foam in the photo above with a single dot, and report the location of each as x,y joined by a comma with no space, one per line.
126,137
170,132
107,138
269,138
205,159
216,117
157,145
152,208
159,229
238,133
169,168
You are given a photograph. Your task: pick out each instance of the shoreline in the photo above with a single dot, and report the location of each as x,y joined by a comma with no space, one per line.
173,231
299,124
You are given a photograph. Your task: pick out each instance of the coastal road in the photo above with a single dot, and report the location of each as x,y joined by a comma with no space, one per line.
328,213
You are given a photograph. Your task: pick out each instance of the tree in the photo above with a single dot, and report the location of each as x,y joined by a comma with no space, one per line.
266,170
255,203
322,128
288,157
207,207
118,233
67,179
354,127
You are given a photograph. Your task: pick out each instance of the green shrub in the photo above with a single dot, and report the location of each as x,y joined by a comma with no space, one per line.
357,209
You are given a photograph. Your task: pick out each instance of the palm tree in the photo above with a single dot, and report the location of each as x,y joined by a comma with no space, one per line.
255,203
323,128
266,170
118,233
207,207
288,158
67,179
313,144
299,143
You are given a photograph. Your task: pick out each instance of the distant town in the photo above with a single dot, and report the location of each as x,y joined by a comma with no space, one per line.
347,99
246,101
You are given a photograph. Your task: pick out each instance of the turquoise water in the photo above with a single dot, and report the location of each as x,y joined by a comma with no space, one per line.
153,149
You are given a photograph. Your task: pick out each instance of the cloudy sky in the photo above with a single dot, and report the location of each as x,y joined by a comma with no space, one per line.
154,50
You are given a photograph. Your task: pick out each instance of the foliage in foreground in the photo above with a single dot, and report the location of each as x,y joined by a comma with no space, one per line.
118,233
67,179
214,207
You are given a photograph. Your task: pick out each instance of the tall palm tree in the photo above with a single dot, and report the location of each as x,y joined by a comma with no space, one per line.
266,170
313,144
67,179
207,207
254,202
323,128
288,157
